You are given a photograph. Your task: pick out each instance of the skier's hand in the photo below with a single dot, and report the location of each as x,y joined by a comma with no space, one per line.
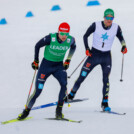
124,49
66,64
88,52
35,64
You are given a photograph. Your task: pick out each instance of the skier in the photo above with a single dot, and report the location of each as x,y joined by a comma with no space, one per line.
104,33
56,46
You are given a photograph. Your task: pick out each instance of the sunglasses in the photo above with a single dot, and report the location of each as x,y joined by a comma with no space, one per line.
62,34
109,18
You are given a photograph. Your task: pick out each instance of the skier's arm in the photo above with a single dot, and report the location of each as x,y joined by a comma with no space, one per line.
121,39
72,49
43,42
120,36
89,31
71,52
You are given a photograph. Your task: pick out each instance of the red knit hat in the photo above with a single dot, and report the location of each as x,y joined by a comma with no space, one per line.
64,27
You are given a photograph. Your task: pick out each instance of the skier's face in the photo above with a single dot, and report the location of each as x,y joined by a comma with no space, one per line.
63,35
108,20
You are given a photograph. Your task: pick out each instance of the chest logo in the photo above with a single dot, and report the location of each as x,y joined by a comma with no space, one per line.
53,39
68,40
64,48
105,36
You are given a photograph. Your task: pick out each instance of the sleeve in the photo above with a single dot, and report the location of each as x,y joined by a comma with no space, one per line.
72,49
41,43
120,36
89,31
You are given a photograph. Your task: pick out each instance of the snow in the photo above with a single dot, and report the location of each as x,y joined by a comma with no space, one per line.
17,42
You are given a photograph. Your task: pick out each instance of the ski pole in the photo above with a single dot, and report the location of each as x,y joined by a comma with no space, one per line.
122,68
76,68
30,87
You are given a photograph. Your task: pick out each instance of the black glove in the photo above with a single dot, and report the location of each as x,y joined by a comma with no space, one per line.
66,64
35,64
124,49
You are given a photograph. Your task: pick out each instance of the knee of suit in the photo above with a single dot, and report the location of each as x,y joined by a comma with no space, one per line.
63,83
105,77
36,94
80,79
105,80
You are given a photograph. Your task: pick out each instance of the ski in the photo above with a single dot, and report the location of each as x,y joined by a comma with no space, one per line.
14,120
112,112
64,119
55,103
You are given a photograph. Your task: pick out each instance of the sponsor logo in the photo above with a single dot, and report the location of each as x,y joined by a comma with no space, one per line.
86,68
56,54
68,40
109,66
84,73
88,65
42,76
59,47
53,39
41,80
105,36
40,86
63,28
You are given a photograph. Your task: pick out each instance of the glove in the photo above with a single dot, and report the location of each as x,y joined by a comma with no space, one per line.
88,52
124,49
66,64
35,64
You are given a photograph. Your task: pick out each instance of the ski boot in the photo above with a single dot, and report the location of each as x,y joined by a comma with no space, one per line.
59,114
24,114
70,96
104,104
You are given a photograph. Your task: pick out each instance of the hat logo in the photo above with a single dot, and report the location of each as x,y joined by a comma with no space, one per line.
63,28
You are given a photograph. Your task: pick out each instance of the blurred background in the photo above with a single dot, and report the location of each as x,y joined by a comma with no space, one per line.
29,21
24,22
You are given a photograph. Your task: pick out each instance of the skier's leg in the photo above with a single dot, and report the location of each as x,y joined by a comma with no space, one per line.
42,75
61,76
89,64
39,84
106,69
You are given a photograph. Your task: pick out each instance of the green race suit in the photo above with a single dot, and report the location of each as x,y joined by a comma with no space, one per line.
56,51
